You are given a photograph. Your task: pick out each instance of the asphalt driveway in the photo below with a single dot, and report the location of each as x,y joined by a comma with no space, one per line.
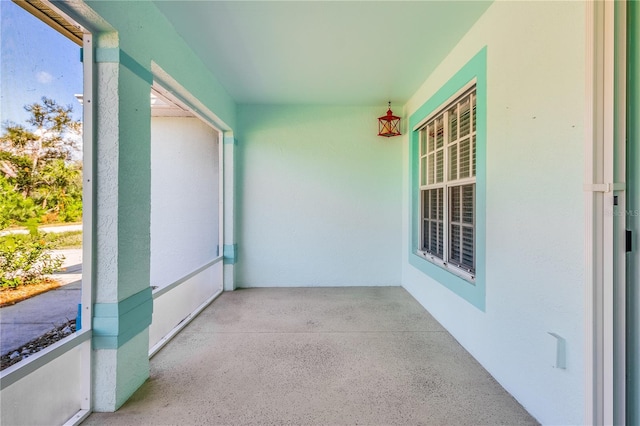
31,318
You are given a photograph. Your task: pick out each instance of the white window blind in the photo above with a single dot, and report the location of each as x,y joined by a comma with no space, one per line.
447,168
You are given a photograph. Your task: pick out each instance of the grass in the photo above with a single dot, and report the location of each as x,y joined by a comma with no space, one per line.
68,239
59,240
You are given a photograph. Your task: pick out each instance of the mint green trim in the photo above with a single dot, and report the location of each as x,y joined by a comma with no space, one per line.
230,140
475,292
107,54
114,324
230,254
116,55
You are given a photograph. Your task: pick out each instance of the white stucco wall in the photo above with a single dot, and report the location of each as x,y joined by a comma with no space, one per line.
534,218
318,197
171,308
184,197
56,388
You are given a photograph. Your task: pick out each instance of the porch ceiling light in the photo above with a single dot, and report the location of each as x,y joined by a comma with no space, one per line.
389,124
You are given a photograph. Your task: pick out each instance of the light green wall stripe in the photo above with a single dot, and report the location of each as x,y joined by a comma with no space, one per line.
230,254
473,293
116,55
107,54
230,140
114,324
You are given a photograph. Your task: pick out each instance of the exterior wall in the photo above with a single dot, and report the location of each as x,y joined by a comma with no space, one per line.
184,179
534,210
56,388
318,197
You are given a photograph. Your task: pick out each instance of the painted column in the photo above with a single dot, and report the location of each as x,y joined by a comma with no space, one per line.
123,302
230,250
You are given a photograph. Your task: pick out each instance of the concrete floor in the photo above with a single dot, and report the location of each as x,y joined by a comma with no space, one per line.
322,356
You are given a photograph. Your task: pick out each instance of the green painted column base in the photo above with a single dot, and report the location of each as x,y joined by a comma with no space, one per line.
114,324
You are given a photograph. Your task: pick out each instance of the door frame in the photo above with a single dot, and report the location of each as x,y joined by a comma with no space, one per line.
632,214
605,207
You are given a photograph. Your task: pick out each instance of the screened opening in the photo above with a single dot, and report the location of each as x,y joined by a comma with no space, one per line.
41,173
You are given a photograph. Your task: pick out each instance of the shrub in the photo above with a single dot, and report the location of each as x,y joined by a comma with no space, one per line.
14,208
25,259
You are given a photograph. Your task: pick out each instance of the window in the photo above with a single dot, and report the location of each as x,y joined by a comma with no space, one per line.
447,203
447,185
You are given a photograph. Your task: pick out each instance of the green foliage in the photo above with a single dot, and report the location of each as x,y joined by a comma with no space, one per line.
60,190
41,177
15,208
25,259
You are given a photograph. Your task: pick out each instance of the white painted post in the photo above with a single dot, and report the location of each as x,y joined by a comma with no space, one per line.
230,247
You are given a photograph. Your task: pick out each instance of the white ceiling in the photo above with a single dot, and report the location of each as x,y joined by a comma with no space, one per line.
322,52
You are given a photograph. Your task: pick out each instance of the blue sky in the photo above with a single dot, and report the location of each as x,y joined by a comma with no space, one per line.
35,61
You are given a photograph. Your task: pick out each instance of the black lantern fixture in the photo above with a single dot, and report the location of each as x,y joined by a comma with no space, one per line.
389,125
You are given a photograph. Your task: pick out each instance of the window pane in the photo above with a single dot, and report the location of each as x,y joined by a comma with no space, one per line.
440,251
433,240
465,117
453,123
425,204
439,165
454,252
474,112
431,167
425,220
453,161
430,137
423,141
439,132
465,158
461,237
423,171
473,157
425,235
454,204
432,224
433,211
468,203
468,254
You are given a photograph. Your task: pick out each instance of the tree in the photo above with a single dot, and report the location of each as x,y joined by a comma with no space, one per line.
41,162
54,134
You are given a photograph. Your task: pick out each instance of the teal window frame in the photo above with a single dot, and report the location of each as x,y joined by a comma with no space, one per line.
473,292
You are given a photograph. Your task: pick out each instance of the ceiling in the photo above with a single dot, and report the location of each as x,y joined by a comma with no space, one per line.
322,52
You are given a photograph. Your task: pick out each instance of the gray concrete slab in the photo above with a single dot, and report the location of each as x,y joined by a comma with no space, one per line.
322,356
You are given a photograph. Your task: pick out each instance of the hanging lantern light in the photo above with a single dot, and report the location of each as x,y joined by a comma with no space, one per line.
389,125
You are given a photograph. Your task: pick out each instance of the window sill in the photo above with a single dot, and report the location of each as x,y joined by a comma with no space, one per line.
460,273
